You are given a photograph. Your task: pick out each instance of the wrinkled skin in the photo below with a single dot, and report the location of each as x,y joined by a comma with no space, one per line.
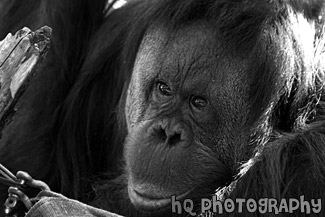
181,93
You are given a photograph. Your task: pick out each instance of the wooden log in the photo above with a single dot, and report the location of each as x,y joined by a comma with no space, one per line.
20,56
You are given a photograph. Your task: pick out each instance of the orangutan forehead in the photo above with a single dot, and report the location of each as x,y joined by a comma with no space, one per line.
188,52
190,49
188,38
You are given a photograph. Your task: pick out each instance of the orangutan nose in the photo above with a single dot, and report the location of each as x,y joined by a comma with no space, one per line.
170,131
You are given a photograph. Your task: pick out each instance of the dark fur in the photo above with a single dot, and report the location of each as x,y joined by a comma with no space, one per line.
72,117
75,22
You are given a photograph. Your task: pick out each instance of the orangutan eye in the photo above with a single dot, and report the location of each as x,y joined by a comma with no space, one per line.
164,89
199,102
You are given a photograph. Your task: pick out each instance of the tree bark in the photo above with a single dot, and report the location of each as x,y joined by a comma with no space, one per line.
20,57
